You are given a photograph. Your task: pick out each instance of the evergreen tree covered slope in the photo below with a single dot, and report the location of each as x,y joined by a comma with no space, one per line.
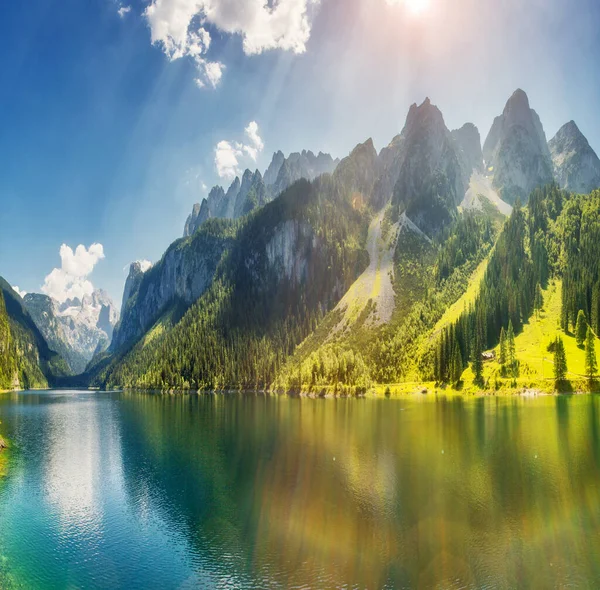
428,277
289,263
26,361
544,272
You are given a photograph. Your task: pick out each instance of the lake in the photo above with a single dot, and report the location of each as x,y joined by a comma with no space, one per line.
135,490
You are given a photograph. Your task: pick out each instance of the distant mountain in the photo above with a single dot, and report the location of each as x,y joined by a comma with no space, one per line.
516,152
302,165
576,165
26,361
255,190
272,172
75,328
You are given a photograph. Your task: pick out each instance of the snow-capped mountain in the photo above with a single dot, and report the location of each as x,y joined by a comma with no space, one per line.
76,328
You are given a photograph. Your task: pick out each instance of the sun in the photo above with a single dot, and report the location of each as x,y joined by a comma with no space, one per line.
417,7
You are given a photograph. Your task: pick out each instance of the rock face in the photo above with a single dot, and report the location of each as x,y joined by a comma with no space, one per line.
255,190
424,168
182,275
134,278
289,249
468,140
516,152
272,172
576,165
75,328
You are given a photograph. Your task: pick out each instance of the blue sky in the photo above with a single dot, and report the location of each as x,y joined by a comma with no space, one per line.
104,139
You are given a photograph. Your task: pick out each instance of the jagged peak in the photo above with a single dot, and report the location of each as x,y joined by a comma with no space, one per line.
424,114
215,190
471,127
519,97
235,184
569,130
517,107
366,146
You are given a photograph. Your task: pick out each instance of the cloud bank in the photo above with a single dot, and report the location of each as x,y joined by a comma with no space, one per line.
179,27
230,155
71,279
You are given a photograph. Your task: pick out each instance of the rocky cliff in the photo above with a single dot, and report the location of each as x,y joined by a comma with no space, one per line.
576,165
182,275
516,152
430,180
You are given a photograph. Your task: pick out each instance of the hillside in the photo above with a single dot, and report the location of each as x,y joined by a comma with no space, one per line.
290,261
28,361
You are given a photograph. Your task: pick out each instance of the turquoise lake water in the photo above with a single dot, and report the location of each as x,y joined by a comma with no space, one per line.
134,490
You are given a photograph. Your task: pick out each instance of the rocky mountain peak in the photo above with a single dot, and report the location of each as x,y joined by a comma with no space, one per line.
272,171
576,165
517,105
468,140
516,152
134,278
424,115
74,328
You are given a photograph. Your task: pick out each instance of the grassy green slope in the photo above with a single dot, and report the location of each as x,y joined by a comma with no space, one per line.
363,354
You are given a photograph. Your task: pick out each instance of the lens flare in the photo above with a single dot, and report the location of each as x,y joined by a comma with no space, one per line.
415,7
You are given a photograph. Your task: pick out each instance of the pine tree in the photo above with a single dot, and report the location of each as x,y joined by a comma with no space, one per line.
477,361
538,303
457,364
560,360
595,319
581,328
591,365
512,353
503,351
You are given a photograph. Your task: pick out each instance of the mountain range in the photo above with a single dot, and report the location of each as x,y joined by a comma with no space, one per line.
343,269
77,329
255,190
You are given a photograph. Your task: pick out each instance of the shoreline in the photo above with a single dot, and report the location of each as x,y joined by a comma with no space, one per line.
376,392
527,388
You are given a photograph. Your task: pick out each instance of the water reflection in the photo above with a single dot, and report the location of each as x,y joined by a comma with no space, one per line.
251,491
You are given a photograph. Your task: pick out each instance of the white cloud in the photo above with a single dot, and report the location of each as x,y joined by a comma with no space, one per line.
228,154
18,291
71,279
178,26
123,10
226,160
145,265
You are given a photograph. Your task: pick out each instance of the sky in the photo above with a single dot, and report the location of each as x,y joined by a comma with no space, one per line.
116,117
